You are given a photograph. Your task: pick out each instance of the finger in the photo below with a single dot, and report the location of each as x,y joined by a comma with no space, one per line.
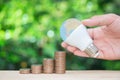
64,45
83,54
96,33
77,52
105,50
101,20
91,33
71,48
74,50
80,53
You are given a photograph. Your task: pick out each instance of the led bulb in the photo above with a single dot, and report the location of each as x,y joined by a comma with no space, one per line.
75,34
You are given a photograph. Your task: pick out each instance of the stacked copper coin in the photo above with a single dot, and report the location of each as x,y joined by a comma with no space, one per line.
60,62
24,71
36,68
48,65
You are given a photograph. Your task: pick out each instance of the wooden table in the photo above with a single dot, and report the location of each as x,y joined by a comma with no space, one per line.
69,75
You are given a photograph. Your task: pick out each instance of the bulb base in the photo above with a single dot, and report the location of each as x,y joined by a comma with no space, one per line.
92,50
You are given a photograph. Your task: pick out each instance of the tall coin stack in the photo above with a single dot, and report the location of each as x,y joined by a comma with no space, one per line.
36,68
48,66
60,62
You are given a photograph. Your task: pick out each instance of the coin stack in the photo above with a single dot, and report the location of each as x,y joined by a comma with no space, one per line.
36,69
60,62
24,71
48,66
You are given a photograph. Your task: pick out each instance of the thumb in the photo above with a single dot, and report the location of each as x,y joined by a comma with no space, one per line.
101,20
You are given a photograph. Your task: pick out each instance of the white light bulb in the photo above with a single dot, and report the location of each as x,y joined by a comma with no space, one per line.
79,37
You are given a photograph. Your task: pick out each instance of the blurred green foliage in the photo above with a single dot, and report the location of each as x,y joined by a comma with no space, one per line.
29,31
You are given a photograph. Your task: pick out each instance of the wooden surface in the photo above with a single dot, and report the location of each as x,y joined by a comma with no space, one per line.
69,75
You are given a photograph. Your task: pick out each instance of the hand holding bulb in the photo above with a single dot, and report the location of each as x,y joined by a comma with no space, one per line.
74,33
106,37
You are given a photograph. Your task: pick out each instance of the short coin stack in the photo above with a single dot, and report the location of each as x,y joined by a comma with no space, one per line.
24,71
49,65
60,62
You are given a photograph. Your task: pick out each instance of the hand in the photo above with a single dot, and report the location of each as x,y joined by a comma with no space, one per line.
106,37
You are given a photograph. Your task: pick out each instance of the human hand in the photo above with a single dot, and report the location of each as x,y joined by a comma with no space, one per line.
106,37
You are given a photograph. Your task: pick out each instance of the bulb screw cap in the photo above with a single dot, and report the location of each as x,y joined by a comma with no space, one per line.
92,50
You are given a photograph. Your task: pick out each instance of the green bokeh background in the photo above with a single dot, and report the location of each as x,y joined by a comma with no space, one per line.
29,31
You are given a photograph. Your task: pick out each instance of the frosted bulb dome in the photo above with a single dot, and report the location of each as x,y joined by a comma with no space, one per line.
68,26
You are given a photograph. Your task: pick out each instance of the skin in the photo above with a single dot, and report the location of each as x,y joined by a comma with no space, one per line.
106,37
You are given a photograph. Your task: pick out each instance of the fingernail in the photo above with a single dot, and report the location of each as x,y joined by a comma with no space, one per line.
62,44
86,20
